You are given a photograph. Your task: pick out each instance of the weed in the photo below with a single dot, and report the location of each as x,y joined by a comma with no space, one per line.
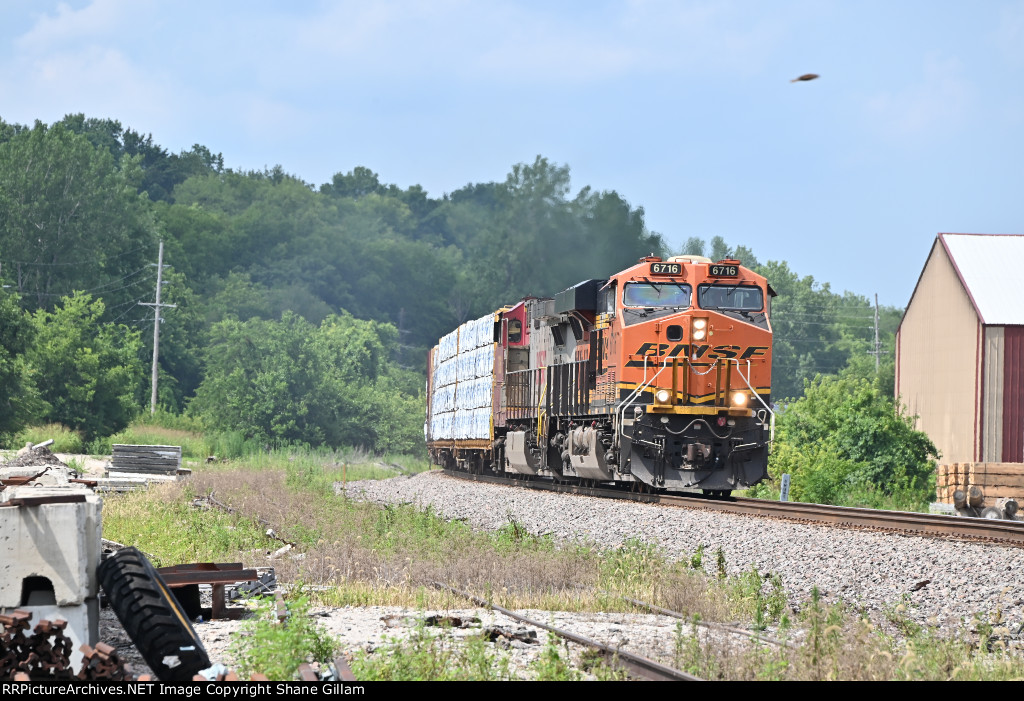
553,663
720,563
776,602
429,655
635,565
680,642
697,559
823,636
898,616
276,649
603,669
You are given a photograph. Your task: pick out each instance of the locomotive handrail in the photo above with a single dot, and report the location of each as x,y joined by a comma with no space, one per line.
639,388
771,428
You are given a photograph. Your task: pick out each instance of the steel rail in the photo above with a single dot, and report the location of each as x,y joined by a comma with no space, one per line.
707,624
993,531
636,664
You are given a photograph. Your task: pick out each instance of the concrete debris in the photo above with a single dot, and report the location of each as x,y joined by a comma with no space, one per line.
28,456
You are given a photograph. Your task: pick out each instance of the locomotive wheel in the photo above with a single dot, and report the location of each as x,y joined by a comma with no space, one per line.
151,616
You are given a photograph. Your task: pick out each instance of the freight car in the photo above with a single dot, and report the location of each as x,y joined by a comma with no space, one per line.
657,377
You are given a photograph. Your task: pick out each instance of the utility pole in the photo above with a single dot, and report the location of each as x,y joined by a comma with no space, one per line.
156,323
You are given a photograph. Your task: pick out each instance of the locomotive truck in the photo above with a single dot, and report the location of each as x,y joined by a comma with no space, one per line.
658,377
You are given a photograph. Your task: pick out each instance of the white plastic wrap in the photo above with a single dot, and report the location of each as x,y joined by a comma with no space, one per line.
485,361
442,425
463,383
448,346
443,399
473,394
445,374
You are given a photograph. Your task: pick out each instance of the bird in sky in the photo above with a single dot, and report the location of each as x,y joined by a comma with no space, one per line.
805,76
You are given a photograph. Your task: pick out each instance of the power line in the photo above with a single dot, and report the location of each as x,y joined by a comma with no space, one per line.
77,262
100,288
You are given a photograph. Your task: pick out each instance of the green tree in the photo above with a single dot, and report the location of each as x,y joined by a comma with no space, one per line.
694,246
69,220
290,381
720,250
88,372
161,171
847,442
261,379
20,402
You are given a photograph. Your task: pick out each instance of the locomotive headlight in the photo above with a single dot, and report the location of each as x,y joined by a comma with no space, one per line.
739,399
700,329
662,396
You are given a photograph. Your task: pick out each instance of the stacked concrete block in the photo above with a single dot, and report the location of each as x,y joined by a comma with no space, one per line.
49,550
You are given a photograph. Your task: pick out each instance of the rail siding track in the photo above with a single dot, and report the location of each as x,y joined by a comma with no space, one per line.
636,664
979,530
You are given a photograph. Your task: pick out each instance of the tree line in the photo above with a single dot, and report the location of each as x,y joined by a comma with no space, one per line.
304,312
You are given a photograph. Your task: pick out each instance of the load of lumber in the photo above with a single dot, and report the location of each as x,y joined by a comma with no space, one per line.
974,488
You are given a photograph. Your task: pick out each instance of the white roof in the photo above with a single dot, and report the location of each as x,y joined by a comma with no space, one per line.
989,267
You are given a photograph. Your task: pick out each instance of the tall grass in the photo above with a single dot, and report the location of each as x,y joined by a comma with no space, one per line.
65,440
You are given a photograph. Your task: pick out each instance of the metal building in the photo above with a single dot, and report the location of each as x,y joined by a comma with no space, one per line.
960,348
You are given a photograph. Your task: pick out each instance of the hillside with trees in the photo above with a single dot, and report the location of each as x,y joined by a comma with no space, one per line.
304,312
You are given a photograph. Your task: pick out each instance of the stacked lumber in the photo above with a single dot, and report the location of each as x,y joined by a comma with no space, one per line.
948,479
152,462
997,480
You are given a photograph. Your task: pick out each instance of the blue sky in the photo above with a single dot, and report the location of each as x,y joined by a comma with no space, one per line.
916,125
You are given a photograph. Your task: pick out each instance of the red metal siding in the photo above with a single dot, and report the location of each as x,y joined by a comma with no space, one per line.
1013,394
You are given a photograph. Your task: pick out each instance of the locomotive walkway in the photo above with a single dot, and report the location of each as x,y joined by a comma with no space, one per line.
993,531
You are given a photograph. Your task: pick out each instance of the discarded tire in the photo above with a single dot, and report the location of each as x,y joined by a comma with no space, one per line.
152,616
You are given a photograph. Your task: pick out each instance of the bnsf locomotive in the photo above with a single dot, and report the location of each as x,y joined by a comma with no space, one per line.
659,375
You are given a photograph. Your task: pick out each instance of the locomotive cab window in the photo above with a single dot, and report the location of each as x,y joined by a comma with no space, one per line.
741,298
656,294
515,331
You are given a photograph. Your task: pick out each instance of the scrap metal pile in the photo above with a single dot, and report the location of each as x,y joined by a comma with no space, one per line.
44,652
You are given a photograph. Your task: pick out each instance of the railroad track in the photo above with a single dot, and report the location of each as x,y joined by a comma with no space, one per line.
636,665
992,531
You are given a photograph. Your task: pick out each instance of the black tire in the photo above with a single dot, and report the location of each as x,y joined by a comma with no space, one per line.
152,616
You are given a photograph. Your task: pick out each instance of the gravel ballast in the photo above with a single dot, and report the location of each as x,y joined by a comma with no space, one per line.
938,582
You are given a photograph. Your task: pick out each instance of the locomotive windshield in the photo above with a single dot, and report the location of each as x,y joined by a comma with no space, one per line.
656,294
746,298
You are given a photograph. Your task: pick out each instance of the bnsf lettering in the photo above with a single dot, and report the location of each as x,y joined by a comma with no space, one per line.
696,351
724,352
652,349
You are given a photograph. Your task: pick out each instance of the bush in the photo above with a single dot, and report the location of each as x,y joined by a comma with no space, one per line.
845,441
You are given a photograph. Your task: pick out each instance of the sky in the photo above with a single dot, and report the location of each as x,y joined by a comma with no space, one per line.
685,108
